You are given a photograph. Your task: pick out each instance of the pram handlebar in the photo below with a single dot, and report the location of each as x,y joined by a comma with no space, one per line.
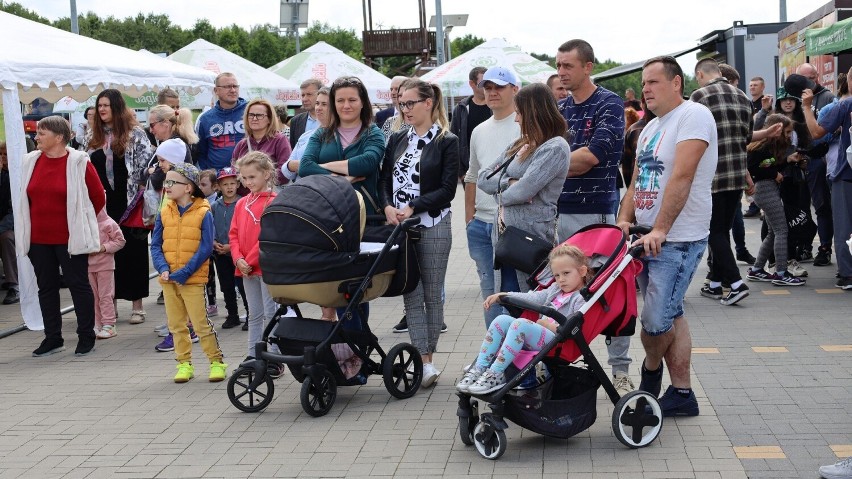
408,223
638,251
538,308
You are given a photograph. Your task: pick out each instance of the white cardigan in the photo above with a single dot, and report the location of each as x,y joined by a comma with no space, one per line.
83,235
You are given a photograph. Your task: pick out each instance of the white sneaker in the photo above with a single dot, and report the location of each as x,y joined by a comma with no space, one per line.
840,470
795,270
470,377
622,383
430,375
106,332
488,382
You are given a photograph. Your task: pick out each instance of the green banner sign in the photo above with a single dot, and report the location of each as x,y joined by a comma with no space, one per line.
832,39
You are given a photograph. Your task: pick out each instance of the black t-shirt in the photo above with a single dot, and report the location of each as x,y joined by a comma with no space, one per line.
756,105
476,115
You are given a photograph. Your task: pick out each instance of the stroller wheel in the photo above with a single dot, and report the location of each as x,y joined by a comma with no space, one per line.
468,424
637,419
243,397
402,370
490,442
318,398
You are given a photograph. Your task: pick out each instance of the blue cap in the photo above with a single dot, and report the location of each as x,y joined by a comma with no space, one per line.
499,76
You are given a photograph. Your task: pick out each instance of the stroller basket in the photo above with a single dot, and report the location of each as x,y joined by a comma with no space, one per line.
570,409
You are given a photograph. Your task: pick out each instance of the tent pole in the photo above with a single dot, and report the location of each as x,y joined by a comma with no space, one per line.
74,27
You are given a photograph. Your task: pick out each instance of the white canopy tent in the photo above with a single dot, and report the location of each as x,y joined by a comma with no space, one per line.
326,63
452,76
255,81
59,64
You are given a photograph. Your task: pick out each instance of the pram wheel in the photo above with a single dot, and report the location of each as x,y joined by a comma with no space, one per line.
468,424
402,370
637,419
243,397
490,442
318,398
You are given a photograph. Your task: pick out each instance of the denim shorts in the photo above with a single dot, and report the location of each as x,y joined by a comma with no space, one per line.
664,282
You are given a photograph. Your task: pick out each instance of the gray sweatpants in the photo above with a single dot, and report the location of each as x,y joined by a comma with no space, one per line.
767,196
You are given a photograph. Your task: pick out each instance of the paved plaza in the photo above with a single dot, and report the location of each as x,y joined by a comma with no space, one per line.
773,377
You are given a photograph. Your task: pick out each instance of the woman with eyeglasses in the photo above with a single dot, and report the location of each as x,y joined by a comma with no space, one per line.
262,134
120,152
165,123
351,145
419,178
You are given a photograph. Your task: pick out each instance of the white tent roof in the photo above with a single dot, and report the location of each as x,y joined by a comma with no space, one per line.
255,81
453,75
326,63
42,61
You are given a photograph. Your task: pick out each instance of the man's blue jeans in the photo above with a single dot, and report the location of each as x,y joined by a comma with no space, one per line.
482,253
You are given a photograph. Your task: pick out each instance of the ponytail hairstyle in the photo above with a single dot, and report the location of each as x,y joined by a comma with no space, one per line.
185,128
575,254
262,162
776,145
429,90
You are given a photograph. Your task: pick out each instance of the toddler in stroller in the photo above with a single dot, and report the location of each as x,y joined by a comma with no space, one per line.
311,251
564,404
507,336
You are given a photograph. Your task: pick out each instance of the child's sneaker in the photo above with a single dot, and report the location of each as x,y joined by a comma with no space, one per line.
162,330
469,378
760,275
106,332
192,336
786,279
212,311
488,382
185,372
218,371
166,345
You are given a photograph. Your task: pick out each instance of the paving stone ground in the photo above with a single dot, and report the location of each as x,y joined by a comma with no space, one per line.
117,413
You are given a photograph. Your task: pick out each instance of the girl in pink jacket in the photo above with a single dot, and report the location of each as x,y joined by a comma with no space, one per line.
102,275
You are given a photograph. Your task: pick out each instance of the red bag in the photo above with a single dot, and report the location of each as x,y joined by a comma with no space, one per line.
132,217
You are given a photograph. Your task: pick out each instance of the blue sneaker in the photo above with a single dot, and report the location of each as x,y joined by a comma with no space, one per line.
167,345
192,336
673,404
651,382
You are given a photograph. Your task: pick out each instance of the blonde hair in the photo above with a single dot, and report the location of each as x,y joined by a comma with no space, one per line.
274,124
262,162
180,122
573,253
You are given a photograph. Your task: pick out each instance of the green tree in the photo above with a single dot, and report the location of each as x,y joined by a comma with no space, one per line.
264,47
203,29
234,39
344,39
550,60
461,45
17,9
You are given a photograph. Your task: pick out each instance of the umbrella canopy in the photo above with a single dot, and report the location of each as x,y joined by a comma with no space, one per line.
326,63
41,61
60,63
452,76
255,81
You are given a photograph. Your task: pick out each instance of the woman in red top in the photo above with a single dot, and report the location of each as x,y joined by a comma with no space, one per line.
57,227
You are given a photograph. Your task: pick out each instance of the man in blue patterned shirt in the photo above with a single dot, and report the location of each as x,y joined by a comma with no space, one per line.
595,121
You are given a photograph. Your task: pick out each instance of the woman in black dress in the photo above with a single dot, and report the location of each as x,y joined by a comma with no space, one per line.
119,149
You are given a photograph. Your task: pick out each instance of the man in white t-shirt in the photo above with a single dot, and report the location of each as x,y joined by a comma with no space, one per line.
670,192
487,142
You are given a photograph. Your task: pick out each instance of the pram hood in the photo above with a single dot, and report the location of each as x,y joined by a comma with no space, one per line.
322,212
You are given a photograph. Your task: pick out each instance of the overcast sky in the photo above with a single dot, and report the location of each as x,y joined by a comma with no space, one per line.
621,30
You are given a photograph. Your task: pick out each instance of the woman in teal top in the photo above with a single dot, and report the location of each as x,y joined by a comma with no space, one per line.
352,145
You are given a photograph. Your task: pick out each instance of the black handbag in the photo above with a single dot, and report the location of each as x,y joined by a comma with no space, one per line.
520,250
515,247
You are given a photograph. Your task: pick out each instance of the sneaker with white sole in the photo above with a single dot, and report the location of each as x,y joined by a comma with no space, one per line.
794,269
430,375
785,279
137,317
469,378
622,382
839,470
162,330
490,381
712,293
212,311
106,332
734,295
760,275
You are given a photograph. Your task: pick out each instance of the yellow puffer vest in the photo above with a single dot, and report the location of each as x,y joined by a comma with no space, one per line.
182,236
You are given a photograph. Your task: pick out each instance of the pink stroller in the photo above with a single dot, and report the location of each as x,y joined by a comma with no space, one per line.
564,404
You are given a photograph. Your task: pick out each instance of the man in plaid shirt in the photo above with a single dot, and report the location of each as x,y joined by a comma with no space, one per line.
731,109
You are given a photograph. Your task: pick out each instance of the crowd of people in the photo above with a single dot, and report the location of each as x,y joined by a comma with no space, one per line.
548,159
